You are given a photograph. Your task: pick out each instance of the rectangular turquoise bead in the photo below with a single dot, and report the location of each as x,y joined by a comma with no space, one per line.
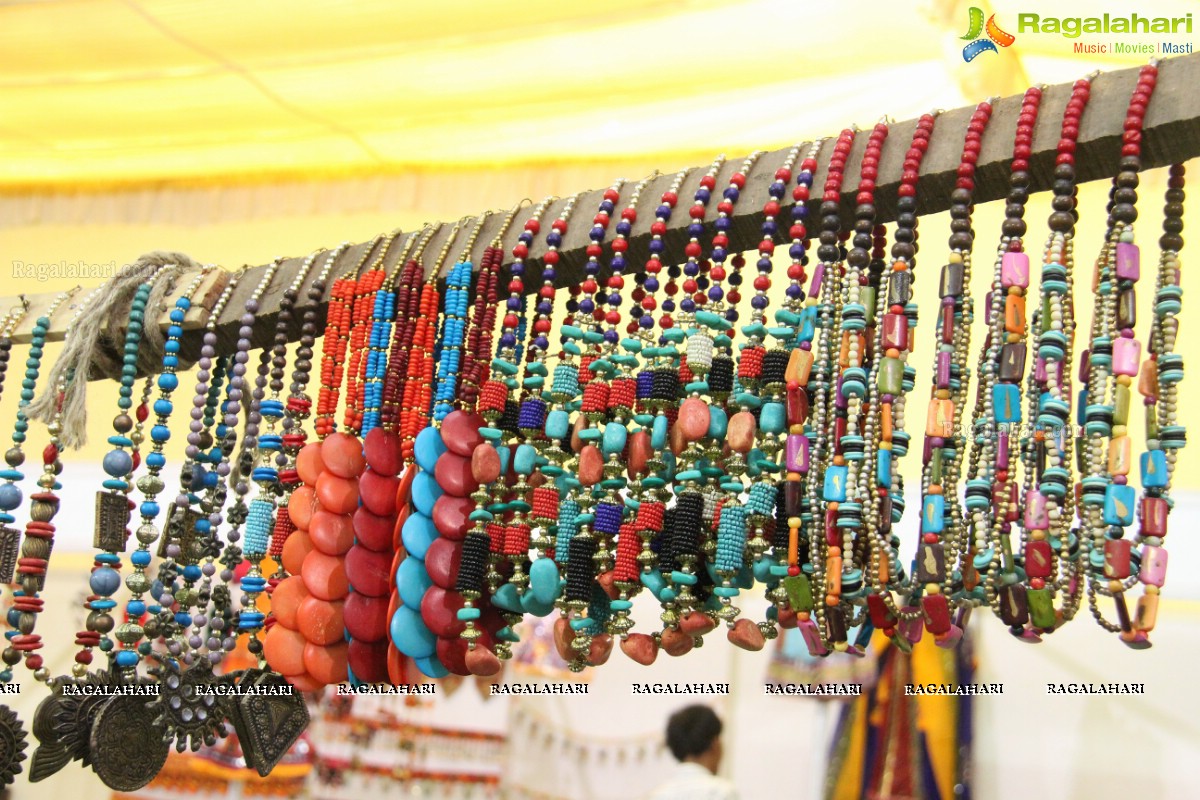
1006,403
1154,468
933,513
835,484
1119,503
883,469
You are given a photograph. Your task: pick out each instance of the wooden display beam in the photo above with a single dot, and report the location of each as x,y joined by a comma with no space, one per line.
1171,135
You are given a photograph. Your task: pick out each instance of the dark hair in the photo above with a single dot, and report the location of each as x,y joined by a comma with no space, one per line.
692,730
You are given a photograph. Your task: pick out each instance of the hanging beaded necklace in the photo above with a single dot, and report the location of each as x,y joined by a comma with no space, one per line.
30,577
285,648
940,512
481,551
1108,502
1159,386
780,375
896,315
828,481
10,537
854,424
426,577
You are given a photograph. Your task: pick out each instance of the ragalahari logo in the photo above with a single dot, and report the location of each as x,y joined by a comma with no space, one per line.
977,44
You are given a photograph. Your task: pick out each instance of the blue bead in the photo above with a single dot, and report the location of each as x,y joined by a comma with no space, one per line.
135,608
773,418
412,581
117,463
933,513
1006,403
1154,469
140,558
160,433
615,436
156,460
149,509
428,448
1119,504
191,573
718,422
835,483
410,634
168,382
126,658
431,667
425,492
10,496
104,581
525,459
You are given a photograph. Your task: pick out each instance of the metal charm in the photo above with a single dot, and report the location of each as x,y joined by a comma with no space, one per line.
181,530
267,724
127,743
112,520
10,543
12,745
186,711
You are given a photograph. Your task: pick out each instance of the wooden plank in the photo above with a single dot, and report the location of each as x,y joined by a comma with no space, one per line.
1171,134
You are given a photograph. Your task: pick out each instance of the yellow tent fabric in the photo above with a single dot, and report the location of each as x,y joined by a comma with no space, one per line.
115,92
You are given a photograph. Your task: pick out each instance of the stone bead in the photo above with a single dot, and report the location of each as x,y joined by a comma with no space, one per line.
1014,314
451,516
482,662
1038,559
933,513
321,621
1127,308
640,451
452,653
891,376
284,650
366,619
286,599
1012,362
373,531
453,473
696,623
796,404
460,432
1119,504
327,665
951,282
940,419
742,428
1117,557
378,492
343,455
425,492
558,424
676,643
694,418
369,571
411,635
746,634
382,451
1006,403
309,464
439,610
1154,566
614,438
931,562
895,331
677,441
337,494
937,613
1154,516
1126,355
324,576
485,464
1014,606
428,448
332,534
295,551
304,682
591,466
797,453
1014,270
581,424
799,366
301,506
1120,455
417,534
368,660
1148,379
641,648
442,560
1037,517
1128,261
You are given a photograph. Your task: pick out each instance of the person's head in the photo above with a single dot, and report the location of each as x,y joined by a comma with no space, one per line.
694,734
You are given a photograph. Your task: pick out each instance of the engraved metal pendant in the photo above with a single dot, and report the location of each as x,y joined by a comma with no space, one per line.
127,743
10,543
112,520
187,711
267,724
12,745
181,530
